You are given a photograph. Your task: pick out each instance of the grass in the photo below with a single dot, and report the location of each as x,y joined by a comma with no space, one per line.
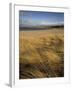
41,54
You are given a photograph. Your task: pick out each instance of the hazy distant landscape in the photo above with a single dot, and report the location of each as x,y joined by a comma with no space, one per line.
43,27
41,47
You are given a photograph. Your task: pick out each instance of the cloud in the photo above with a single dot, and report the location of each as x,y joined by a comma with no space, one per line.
30,22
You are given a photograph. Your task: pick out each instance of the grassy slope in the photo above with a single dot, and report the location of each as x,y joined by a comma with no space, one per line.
41,54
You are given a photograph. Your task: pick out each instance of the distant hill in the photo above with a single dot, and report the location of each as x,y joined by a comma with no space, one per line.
40,27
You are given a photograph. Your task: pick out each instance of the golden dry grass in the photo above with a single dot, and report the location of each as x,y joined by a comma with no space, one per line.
41,54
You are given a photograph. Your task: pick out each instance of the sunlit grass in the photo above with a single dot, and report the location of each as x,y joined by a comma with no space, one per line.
41,56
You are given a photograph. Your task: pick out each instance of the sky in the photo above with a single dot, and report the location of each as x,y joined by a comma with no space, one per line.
37,18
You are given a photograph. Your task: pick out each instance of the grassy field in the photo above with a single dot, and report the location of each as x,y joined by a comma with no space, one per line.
41,53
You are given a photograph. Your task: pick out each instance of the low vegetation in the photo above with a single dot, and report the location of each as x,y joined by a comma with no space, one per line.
41,55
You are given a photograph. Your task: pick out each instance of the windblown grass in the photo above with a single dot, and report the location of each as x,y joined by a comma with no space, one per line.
41,54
